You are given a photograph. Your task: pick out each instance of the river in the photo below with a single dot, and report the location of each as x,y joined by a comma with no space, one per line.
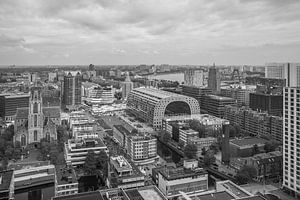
177,76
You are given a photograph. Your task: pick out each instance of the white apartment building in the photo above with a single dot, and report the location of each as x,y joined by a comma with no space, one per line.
291,140
193,77
77,150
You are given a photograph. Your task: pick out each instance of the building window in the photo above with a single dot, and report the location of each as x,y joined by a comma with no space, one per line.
35,107
35,120
48,137
23,140
35,135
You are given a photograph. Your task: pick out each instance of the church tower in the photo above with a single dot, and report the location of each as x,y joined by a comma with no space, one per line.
35,115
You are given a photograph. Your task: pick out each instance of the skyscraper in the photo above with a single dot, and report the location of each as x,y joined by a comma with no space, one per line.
127,86
71,91
288,71
194,77
291,140
214,81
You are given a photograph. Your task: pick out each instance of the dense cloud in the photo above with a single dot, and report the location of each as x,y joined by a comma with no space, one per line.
149,31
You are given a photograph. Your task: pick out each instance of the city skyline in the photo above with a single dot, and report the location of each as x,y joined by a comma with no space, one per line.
152,32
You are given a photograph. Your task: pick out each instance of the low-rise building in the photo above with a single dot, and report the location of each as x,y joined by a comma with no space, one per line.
142,149
215,105
173,181
27,175
7,185
202,143
185,134
77,150
125,174
65,180
245,147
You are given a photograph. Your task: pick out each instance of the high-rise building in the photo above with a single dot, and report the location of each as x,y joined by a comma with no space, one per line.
214,80
32,77
291,137
288,71
194,77
127,86
215,105
196,92
239,93
71,91
267,102
9,104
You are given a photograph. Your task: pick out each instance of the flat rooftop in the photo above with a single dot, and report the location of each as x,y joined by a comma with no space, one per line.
120,163
85,143
28,165
248,141
172,173
5,179
220,98
145,193
94,195
235,189
214,196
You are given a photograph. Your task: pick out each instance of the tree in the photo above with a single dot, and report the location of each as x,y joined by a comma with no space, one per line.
270,146
232,131
203,151
190,151
197,126
255,150
237,129
181,144
118,95
246,174
214,147
166,137
102,166
90,163
209,159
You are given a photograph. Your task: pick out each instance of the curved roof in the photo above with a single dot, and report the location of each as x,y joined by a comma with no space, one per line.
158,94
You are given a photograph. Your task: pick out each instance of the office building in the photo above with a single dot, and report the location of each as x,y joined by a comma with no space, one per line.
32,174
71,91
215,105
32,77
288,71
126,86
255,123
65,181
194,77
76,150
240,94
291,137
214,79
201,143
151,105
124,174
9,104
185,134
244,147
7,185
52,76
107,96
142,149
196,92
270,103
173,181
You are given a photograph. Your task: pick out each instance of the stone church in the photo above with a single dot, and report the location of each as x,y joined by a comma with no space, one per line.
36,122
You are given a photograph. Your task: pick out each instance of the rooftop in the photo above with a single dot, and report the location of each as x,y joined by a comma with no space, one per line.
214,196
27,165
94,195
248,141
145,193
234,189
172,173
85,143
5,179
122,129
52,112
220,98
120,163
22,113
65,174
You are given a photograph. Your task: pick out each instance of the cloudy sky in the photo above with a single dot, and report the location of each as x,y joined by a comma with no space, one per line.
149,31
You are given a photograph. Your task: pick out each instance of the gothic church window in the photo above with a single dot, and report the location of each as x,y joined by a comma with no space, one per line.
35,107
35,135
23,140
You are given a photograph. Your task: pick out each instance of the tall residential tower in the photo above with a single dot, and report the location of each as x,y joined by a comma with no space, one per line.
71,91
214,80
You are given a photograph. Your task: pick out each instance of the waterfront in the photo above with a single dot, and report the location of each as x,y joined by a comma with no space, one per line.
177,76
